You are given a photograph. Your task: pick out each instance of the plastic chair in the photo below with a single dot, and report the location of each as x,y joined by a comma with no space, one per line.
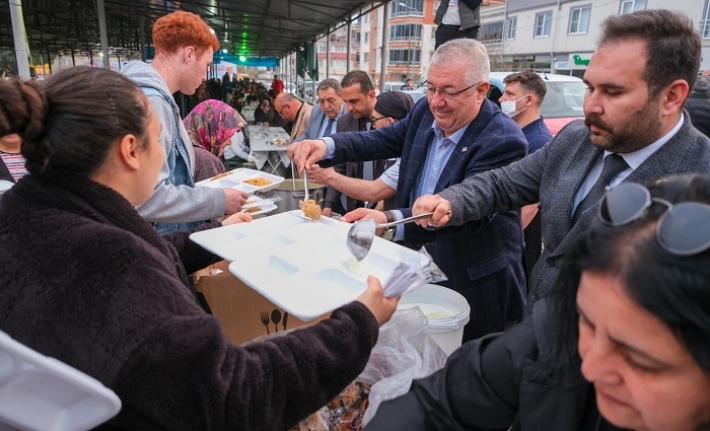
38,393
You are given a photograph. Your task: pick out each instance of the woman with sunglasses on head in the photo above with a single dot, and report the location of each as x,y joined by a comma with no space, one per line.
86,280
623,344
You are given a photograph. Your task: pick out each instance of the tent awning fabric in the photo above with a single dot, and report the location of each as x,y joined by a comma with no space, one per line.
254,28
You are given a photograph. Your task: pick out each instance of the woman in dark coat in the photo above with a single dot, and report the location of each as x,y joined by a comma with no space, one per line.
86,280
624,344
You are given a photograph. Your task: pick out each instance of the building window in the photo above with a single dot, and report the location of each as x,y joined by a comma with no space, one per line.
436,6
366,58
491,31
628,6
407,7
511,27
367,37
579,19
320,47
406,32
338,63
543,23
366,18
404,56
705,23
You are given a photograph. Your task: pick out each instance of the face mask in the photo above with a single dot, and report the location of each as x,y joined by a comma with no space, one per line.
508,107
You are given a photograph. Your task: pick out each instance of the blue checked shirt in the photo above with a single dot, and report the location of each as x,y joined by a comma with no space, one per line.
440,149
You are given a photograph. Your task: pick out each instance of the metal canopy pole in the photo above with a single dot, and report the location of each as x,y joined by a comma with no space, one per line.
141,37
385,40
349,50
22,51
104,33
327,53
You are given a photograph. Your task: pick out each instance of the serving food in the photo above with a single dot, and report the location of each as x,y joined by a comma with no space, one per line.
257,181
344,413
279,142
310,209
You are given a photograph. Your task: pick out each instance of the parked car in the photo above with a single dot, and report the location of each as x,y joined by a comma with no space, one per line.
416,94
305,90
563,102
290,87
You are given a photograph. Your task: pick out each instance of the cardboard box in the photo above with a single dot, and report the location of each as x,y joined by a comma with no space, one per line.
239,307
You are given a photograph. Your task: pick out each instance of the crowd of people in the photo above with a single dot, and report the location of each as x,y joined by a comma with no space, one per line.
605,328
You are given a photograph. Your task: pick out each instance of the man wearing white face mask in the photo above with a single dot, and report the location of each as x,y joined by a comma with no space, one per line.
521,100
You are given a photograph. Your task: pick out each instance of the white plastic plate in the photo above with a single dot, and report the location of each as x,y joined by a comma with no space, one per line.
303,266
266,205
235,179
38,393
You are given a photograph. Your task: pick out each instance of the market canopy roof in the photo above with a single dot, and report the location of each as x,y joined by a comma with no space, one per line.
261,28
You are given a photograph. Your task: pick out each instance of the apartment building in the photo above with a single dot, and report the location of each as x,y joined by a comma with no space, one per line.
544,35
560,35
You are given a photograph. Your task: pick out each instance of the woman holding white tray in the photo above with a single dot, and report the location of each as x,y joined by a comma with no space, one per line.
88,281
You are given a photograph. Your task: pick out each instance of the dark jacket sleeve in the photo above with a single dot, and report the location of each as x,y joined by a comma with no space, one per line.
478,389
187,376
192,256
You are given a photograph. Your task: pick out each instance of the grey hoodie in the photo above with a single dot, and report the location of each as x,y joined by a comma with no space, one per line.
169,202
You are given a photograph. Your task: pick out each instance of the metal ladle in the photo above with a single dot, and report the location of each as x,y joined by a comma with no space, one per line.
362,233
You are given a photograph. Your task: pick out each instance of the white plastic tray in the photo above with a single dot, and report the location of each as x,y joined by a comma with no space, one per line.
235,179
38,393
266,207
302,266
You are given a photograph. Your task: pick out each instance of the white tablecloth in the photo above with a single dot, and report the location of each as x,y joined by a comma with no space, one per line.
264,150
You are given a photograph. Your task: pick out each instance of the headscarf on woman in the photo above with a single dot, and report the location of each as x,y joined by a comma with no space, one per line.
211,125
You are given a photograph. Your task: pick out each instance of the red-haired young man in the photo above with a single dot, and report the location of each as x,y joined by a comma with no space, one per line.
184,45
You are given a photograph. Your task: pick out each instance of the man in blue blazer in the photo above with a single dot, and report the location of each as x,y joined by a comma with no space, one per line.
455,133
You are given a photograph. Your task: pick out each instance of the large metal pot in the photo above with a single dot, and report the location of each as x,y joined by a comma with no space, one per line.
290,195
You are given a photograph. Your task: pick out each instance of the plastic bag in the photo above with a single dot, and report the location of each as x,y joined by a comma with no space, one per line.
411,274
403,352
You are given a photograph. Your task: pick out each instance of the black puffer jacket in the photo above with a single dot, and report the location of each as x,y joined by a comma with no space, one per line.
518,381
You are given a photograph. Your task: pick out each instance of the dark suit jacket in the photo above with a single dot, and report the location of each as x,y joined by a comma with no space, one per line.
347,123
698,106
483,259
552,176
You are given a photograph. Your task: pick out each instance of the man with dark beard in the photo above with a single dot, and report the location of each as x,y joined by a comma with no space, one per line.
634,130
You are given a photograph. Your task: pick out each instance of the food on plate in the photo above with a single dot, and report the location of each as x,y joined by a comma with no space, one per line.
252,210
249,201
222,175
344,413
310,209
279,142
257,181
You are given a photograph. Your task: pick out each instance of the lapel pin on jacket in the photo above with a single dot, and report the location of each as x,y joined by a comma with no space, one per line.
464,149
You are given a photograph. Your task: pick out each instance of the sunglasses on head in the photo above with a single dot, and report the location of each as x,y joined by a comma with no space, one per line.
683,229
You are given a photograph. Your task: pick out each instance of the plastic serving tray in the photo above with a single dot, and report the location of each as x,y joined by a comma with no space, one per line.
303,266
235,179
38,393
266,205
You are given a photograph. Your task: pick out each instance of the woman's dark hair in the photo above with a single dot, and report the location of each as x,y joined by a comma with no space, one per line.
70,123
676,289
